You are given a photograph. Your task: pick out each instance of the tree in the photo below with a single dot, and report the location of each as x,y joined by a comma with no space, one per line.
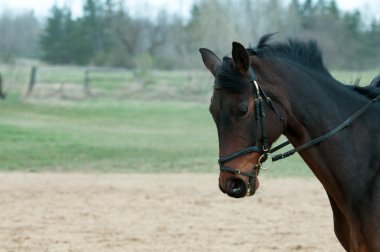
106,34
58,37
19,35
293,19
92,28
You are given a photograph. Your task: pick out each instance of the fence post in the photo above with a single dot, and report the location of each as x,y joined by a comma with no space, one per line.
2,95
86,86
32,81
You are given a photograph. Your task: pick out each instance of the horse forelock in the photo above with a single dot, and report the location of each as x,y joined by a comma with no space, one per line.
226,77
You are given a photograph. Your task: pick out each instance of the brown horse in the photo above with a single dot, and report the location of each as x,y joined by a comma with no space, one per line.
284,88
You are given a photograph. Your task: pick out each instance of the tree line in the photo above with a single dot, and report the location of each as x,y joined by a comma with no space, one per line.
106,34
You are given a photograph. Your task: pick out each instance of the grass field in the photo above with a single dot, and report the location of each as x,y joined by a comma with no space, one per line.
106,135
112,136
138,134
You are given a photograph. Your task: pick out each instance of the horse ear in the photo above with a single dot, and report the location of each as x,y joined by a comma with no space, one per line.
240,58
209,59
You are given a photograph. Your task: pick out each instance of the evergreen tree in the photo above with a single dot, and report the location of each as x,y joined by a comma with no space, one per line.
55,41
92,28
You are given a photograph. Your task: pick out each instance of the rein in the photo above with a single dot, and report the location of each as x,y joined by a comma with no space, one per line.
319,139
264,150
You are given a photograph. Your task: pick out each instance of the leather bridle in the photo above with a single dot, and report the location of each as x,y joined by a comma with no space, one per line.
263,149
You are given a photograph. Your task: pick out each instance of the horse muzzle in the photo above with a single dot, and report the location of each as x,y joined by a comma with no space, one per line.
239,183
238,187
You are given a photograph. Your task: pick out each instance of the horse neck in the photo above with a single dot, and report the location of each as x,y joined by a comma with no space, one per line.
317,104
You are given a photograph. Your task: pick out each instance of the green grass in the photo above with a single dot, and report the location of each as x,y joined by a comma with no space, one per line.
105,135
112,136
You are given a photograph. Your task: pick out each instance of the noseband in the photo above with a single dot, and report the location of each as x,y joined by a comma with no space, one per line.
262,148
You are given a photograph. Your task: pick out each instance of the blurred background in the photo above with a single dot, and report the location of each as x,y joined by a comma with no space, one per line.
119,85
166,34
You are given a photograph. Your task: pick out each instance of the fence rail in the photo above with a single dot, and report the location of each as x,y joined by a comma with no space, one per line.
95,82
76,78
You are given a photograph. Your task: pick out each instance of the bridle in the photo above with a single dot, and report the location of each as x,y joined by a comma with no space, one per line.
263,149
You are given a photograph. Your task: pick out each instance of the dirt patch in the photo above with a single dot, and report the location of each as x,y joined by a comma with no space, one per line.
164,212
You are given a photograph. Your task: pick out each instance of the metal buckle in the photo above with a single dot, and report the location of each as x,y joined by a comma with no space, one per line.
270,166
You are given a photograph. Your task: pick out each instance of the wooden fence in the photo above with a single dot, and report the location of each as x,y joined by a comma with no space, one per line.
84,80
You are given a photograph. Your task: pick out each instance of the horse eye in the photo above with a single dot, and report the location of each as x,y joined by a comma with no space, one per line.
243,109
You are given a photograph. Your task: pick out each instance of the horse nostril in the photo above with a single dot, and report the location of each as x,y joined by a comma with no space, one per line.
236,188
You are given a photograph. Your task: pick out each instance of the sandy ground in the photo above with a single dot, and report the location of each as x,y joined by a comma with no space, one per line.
181,212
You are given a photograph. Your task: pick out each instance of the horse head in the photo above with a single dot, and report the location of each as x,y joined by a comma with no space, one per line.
246,120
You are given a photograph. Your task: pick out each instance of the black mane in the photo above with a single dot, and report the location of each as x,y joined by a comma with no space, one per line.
305,53
372,90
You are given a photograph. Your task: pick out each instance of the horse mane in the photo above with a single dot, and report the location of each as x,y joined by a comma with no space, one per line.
372,90
305,53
